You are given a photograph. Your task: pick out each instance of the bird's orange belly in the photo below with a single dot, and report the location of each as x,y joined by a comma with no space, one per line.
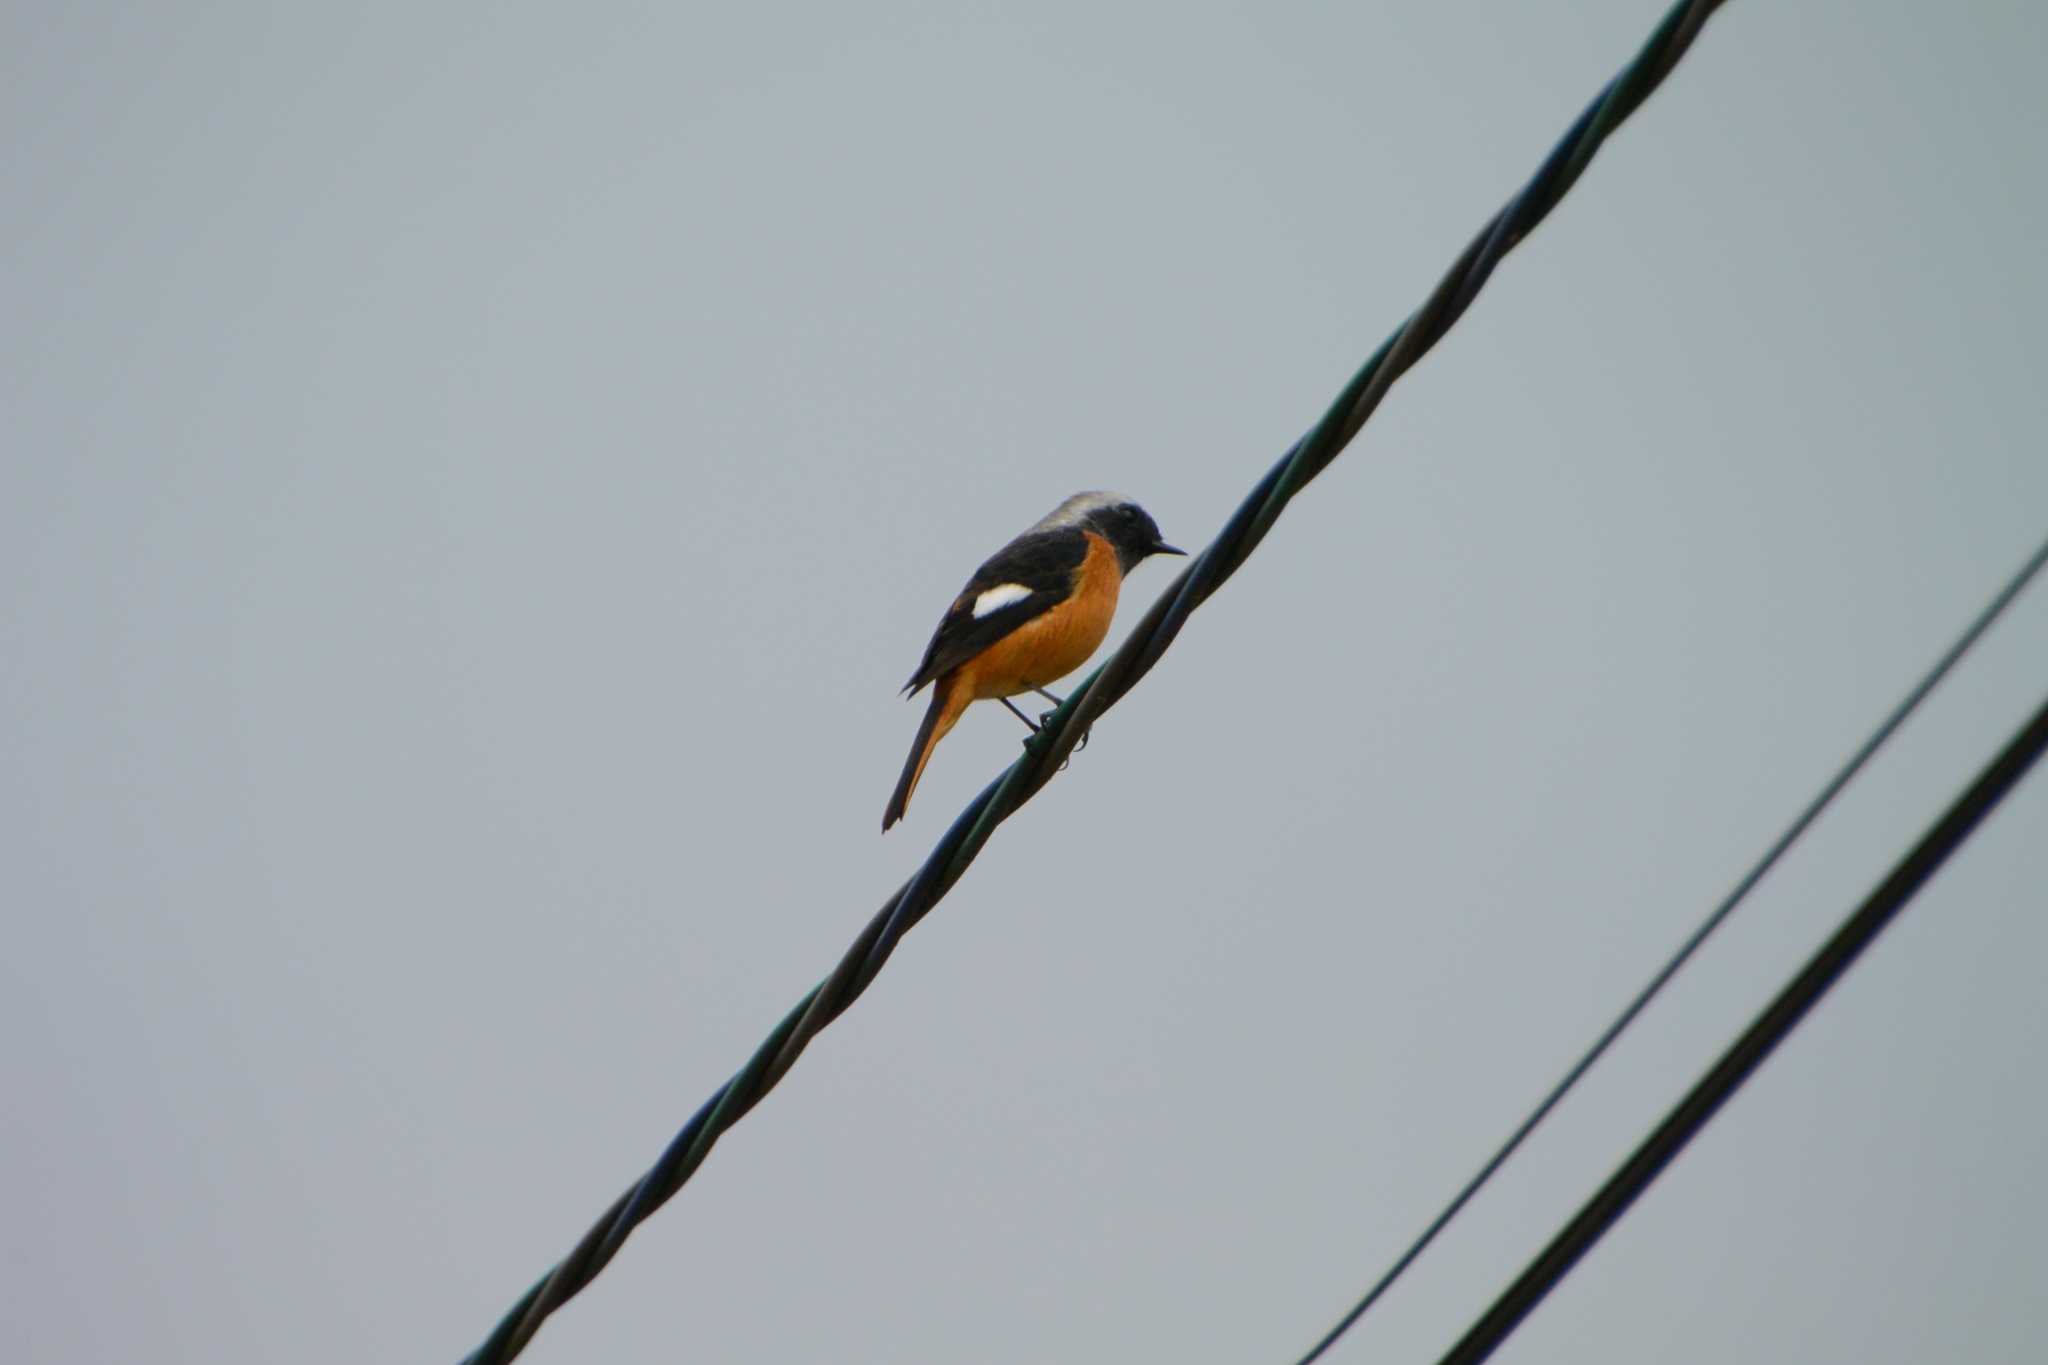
1053,645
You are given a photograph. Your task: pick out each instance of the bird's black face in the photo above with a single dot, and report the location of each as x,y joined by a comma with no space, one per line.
1132,531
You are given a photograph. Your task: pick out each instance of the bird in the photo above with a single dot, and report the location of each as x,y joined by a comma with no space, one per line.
1030,615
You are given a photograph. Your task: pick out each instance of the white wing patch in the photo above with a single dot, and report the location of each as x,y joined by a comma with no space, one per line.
996,598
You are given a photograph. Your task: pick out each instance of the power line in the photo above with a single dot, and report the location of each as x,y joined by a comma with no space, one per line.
1878,737
1149,639
1742,1058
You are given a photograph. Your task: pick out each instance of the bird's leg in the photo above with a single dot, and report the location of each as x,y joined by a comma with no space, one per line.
1029,724
1060,701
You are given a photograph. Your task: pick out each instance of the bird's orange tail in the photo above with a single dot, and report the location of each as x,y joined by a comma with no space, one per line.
949,699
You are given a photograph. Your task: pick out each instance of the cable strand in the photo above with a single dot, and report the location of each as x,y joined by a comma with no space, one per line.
1758,1041
1877,739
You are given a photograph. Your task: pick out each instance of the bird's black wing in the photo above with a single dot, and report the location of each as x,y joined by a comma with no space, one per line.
1041,564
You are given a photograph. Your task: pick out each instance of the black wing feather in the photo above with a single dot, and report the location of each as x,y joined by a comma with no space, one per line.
1043,561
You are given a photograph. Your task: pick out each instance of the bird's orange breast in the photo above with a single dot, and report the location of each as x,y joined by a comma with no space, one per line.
1055,642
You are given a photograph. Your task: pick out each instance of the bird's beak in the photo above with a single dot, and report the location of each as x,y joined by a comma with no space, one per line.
1160,547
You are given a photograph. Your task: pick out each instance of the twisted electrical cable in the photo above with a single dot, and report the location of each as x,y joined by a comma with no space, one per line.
1148,640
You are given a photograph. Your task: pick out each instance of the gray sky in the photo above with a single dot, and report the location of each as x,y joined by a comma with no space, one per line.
477,475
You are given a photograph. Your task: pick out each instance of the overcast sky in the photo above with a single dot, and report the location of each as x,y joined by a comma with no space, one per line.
476,475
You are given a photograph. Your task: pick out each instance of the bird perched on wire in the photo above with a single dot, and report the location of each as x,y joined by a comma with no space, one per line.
1031,615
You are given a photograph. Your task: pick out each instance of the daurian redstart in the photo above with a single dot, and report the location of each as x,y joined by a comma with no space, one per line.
1031,615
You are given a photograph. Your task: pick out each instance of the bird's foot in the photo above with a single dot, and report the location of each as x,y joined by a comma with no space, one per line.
1045,718
1032,739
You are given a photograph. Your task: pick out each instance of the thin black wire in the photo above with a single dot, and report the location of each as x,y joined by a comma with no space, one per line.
1742,1058
1878,737
1048,750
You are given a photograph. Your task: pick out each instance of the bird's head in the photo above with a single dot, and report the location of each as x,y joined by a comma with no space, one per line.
1128,527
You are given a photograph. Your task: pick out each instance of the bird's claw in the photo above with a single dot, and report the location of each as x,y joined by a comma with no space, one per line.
1032,738
1045,719
1084,734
